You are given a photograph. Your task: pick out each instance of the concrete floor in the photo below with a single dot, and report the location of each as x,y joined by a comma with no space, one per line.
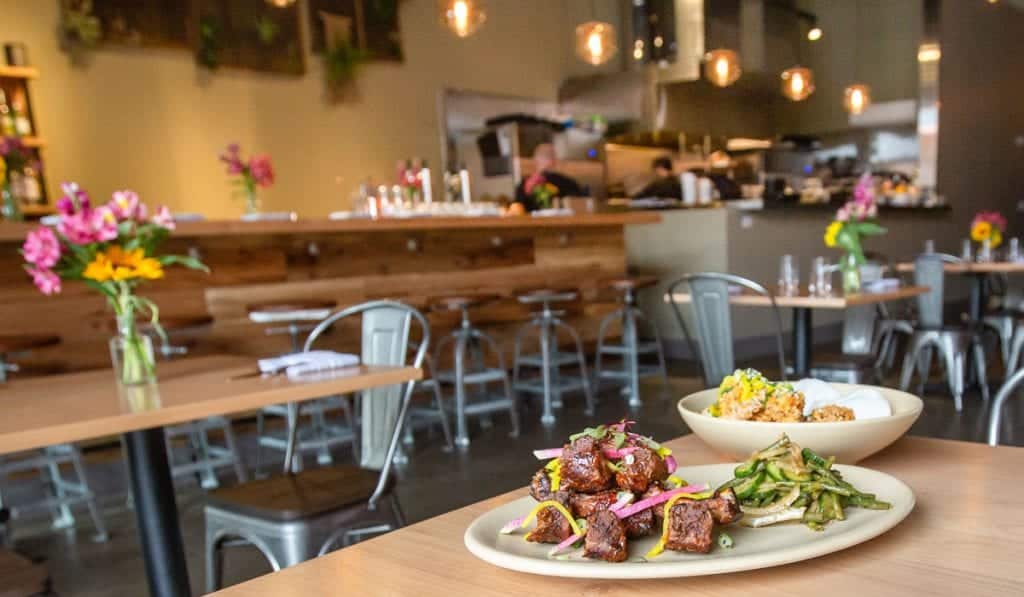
433,482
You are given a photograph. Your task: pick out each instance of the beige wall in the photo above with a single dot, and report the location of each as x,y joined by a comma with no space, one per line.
151,120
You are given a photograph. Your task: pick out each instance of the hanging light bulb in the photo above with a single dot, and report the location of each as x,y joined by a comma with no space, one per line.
856,98
463,17
797,83
722,67
595,42
281,3
814,33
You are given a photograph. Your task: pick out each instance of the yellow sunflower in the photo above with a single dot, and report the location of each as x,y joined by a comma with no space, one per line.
117,264
832,233
981,231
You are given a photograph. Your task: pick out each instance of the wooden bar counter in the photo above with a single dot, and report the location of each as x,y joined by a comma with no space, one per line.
346,261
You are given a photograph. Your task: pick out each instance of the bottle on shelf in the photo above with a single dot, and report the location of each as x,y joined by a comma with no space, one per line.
6,117
22,124
426,187
467,196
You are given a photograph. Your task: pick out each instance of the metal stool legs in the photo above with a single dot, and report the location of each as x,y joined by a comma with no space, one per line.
630,351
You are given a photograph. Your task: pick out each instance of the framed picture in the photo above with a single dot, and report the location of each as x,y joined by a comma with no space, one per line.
373,25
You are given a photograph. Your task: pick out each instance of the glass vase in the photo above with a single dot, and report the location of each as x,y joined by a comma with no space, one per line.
252,202
132,356
850,268
10,208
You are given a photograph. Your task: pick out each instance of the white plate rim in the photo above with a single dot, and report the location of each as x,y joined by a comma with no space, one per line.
886,520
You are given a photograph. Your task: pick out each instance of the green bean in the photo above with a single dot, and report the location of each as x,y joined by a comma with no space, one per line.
747,468
749,485
775,471
813,459
835,489
869,503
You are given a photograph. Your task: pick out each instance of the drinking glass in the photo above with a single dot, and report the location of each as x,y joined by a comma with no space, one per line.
789,277
966,250
929,246
820,283
985,252
1013,250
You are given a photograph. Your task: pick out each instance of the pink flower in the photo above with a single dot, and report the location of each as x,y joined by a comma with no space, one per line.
125,205
864,192
536,179
163,218
843,214
45,280
233,160
104,224
41,248
994,218
77,228
75,198
261,170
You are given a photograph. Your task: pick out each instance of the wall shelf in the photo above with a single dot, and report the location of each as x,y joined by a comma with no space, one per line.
19,72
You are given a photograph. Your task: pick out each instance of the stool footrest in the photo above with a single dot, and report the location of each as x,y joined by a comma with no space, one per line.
484,406
483,376
642,371
561,360
564,384
641,348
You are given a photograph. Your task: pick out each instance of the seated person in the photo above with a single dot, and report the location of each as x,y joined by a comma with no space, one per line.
539,190
666,184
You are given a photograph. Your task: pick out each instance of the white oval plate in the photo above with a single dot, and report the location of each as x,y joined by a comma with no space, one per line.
753,548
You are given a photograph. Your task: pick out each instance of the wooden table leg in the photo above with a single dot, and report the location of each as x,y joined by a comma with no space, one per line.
156,513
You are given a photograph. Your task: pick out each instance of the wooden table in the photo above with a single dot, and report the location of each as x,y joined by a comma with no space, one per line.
963,538
804,304
68,408
977,272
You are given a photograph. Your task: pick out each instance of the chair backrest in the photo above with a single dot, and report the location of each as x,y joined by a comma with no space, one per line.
929,270
709,299
385,341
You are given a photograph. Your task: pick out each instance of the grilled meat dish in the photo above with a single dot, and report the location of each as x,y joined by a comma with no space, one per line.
540,486
724,507
640,524
606,537
658,511
639,469
552,526
585,504
584,467
689,527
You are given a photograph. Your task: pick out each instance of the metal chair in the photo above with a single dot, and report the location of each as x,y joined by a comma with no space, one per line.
631,348
709,298
203,457
469,341
65,492
551,360
931,334
298,515
1008,388
319,435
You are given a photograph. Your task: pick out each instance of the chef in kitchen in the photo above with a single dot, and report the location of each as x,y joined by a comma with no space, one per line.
540,189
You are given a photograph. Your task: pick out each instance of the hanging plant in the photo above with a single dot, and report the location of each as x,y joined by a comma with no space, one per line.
80,29
208,50
342,61
266,29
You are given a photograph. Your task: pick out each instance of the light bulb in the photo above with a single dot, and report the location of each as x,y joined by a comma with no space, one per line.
814,33
463,17
722,67
595,42
281,3
797,83
856,98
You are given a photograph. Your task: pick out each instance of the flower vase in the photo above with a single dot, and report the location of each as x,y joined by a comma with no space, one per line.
850,268
252,202
10,209
132,355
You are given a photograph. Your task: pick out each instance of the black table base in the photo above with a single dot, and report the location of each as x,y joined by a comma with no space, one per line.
802,341
156,513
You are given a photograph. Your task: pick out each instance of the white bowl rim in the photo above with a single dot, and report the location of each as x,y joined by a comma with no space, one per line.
918,406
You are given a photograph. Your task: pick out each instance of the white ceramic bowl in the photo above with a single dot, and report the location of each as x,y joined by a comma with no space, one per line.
848,441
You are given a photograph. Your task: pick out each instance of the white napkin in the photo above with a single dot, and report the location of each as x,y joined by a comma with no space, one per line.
304,363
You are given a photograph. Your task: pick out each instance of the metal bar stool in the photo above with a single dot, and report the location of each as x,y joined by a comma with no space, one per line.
631,348
422,415
469,341
295,318
204,458
552,383
65,492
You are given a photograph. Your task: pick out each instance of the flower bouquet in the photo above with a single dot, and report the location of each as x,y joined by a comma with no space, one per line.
987,229
856,219
14,158
542,191
112,249
257,172
411,181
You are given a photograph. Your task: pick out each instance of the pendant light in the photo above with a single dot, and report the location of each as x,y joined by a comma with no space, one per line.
281,3
856,97
722,67
596,41
798,81
463,17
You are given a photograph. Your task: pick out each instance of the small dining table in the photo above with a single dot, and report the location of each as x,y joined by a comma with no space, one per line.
963,538
804,304
977,272
60,409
